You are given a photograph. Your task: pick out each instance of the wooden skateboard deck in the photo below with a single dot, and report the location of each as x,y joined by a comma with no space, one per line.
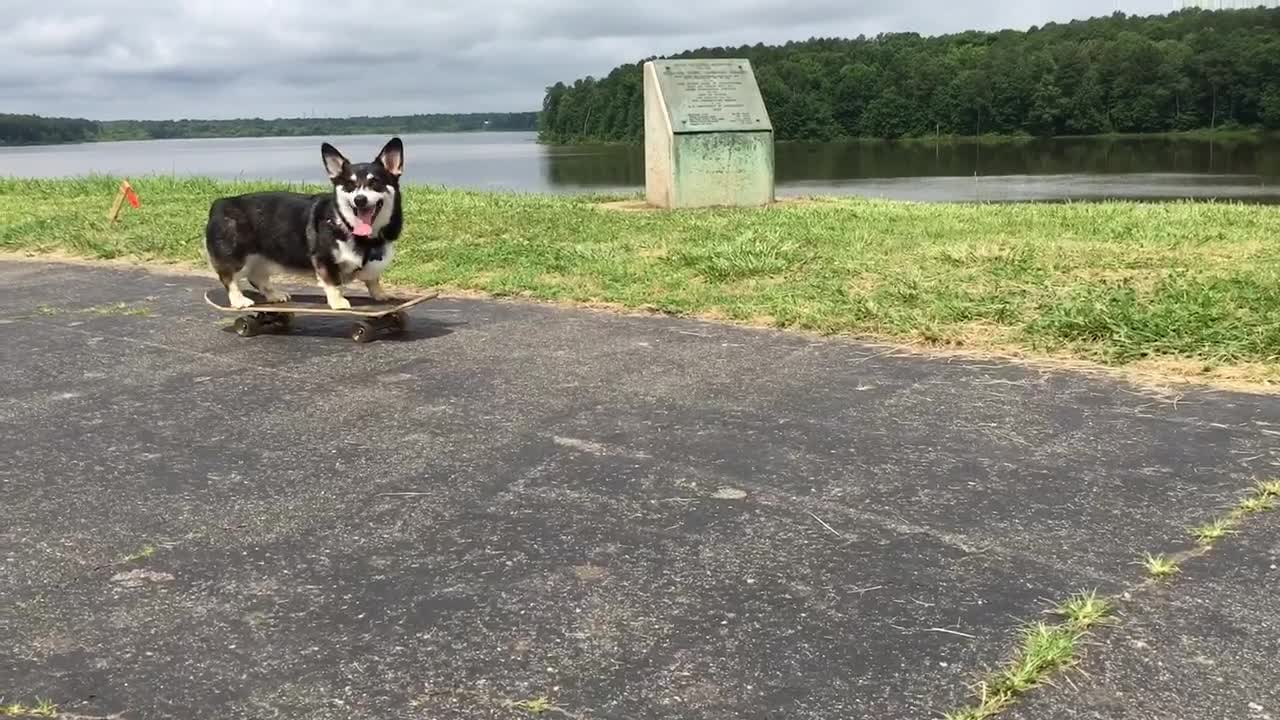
374,317
315,304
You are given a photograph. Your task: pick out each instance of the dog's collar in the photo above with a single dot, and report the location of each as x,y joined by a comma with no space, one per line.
341,223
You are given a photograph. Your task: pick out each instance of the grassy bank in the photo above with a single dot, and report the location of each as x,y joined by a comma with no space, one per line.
1193,288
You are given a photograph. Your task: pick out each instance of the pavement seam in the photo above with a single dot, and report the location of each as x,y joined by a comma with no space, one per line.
952,540
541,705
1000,690
46,709
161,346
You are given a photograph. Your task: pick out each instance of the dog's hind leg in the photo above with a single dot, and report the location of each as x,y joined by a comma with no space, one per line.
234,294
260,278
222,249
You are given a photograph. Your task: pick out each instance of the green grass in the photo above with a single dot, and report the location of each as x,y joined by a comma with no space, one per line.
1211,531
534,706
1269,489
42,709
112,309
1187,288
1086,610
1262,498
119,309
1256,504
1160,567
1046,648
1043,649
147,552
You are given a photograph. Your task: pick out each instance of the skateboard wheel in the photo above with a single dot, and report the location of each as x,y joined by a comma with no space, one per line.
246,326
362,332
400,321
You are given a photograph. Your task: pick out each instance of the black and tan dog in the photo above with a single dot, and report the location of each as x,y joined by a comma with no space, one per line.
339,237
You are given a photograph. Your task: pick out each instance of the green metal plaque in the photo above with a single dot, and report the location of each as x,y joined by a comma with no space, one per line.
708,141
711,96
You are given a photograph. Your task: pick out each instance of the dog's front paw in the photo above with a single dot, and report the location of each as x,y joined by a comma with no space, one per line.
241,302
277,296
339,303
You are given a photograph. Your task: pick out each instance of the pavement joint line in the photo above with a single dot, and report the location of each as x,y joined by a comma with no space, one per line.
161,346
896,525
902,527
536,706
1001,689
46,709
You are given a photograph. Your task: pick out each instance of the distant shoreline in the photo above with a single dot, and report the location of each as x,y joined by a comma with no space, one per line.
29,130
105,140
1234,135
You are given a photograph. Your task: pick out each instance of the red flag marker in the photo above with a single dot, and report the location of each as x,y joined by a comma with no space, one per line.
124,192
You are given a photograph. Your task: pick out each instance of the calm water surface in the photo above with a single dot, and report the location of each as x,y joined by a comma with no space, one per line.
1051,170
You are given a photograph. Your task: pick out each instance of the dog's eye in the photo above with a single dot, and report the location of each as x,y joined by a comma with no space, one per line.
375,185
349,186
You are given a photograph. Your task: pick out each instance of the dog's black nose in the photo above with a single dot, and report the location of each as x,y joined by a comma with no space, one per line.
360,201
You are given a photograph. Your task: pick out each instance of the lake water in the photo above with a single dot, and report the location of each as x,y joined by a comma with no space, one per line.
1050,170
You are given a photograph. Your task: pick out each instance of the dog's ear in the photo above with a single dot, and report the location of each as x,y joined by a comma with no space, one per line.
335,163
392,157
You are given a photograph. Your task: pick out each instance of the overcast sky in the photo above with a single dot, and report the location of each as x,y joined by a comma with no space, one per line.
274,58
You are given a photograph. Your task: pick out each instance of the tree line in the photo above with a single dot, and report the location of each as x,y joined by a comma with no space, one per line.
36,130
1188,70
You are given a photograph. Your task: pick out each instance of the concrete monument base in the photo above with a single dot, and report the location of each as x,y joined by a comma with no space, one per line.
708,138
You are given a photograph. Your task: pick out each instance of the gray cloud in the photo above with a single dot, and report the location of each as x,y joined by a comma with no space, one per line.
237,58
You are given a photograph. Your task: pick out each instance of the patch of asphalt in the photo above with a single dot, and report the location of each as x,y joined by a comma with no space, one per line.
615,609
633,517
1202,645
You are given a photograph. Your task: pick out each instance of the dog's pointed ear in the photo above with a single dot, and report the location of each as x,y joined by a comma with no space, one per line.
392,156
335,163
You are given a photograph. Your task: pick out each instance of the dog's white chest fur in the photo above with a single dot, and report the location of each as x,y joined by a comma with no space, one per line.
373,269
348,256
351,261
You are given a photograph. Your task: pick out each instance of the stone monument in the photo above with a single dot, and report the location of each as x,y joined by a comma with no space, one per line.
708,140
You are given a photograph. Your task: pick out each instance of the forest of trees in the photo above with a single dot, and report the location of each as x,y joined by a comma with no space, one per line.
34,130
1188,70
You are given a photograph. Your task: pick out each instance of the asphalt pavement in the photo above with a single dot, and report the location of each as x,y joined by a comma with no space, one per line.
521,510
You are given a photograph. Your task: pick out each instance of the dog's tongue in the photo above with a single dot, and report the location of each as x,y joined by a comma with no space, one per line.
363,228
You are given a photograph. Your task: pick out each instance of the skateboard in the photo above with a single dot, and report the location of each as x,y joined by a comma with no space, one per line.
376,318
